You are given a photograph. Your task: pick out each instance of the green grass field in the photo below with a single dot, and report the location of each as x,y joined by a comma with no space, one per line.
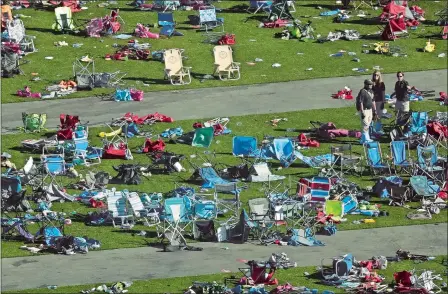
253,125
200,57
295,276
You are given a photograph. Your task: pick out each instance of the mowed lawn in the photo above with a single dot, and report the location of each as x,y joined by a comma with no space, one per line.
252,125
251,42
309,277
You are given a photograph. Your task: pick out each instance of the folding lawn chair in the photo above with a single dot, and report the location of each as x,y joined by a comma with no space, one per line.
424,188
419,120
203,137
244,146
54,166
174,69
400,156
399,196
374,158
346,160
16,32
231,203
205,210
284,151
64,20
429,163
34,122
256,6
320,189
224,65
176,218
260,172
208,19
84,154
165,19
117,204
139,210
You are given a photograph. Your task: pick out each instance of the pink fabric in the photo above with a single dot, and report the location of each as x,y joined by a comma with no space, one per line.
136,95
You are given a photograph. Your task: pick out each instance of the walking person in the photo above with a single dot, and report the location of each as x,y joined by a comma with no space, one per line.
401,94
366,108
379,92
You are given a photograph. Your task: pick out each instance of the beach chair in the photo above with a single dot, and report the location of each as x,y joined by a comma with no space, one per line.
424,188
429,163
224,65
64,20
54,166
17,34
374,158
117,204
176,219
34,122
84,154
174,69
400,152
208,19
320,189
139,210
257,6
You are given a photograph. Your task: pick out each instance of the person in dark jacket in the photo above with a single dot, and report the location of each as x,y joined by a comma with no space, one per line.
401,94
366,108
379,92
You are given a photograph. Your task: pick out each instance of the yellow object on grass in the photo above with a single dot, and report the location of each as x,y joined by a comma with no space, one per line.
114,133
429,47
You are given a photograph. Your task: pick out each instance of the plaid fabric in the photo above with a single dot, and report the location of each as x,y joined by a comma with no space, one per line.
207,15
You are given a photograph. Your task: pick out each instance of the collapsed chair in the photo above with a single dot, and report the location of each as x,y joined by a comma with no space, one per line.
128,174
170,162
107,25
329,131
10,61
67,126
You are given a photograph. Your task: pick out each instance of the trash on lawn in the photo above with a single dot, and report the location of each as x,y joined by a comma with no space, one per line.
276,65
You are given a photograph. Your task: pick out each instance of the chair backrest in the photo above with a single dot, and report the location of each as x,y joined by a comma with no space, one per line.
203,137
175,210
399,149
373,153
230,188
165,18
284,149
173,61
64,17
16,30
81,143
243,145
205,210
54,163
259,206
135,202
116,203
320,188
262,169
223,56
427,155
419,120
334,207
207,14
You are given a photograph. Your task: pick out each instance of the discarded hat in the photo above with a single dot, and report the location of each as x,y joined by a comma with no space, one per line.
368,82
6,155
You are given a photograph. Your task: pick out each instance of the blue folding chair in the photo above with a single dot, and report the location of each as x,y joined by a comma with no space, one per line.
244,146
205,210
54,165
176,218
374,158
284,151
419,120
165,19
429,163
320,189
84,154
400,152
424,188
256,6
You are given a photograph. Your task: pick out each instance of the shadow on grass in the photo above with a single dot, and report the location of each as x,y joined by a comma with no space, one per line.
259,18
364,21
152,81
149,234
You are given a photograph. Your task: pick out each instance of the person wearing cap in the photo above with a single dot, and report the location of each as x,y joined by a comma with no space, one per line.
6,161
366,108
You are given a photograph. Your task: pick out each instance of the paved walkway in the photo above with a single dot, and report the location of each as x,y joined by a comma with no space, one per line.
214,102
148,263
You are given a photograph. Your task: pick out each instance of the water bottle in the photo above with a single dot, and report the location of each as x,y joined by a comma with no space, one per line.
52,287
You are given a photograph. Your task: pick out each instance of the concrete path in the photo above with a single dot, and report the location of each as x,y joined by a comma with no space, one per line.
148,263
214,102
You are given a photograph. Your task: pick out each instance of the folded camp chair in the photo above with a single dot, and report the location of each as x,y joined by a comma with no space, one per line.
64,20
256,6
84,153
176,218
117,204
174,69
424,188
139,210
400,155
34,122
429,163
208,19
16,32
374,158
224,65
